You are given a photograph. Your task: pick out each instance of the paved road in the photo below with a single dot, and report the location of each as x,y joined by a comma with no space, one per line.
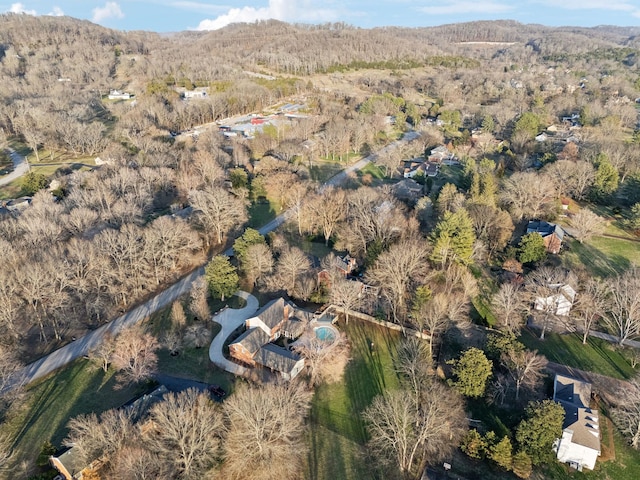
230,319
342,176
84,345
20,167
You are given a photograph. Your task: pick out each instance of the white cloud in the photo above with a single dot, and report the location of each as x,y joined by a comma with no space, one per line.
20,8
110,10
56,12
285,10
450,7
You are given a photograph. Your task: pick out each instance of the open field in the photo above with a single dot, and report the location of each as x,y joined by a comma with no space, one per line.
598,356
48,405
602,256
337,430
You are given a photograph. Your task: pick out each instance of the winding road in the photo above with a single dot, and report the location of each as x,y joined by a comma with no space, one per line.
20,167
82,346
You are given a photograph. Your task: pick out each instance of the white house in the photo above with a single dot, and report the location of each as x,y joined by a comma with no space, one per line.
117,95
579,445
559,303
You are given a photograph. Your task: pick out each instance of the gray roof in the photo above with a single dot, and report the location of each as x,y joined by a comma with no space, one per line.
575,397
545,229
572,391
277,358
294,326
273,312
252,340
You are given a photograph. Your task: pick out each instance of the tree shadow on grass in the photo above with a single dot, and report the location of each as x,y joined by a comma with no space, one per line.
597,262
80,388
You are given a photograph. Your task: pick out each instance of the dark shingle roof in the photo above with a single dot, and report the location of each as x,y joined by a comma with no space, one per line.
252,340
272,313
545,229
277,358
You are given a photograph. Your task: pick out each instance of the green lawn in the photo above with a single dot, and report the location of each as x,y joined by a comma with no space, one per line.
191,363
373,170
322,171
337,429
261,213
50,403
596,356
602,256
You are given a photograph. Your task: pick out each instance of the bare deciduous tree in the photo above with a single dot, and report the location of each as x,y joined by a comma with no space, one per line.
528,194
509,306
186,432
265,431
218,211
291,265
590,306
324,364
178,317
198,304
345,294
103,353
135,354
397,270
626,414
94,437
410,434
525,368
138,463
257,262
587,224
623,305
327,210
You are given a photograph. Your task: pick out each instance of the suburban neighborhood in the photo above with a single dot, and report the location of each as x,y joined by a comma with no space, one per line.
288,251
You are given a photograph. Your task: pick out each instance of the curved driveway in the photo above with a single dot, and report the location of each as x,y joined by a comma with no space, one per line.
20,167
230,319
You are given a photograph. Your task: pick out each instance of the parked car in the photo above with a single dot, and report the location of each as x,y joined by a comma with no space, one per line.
217,392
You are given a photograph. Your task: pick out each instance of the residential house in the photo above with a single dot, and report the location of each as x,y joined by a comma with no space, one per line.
17,205
69,463
440,154
200,92
276,319
407,190
280,360
579,445
247,345
118,95
343,265
419,166
559,303
551,233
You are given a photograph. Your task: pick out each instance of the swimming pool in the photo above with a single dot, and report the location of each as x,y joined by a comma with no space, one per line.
325,334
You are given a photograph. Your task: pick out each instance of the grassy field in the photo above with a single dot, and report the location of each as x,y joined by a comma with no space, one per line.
82,387
50,162
322,171
261,213
338,433
596,356
602,256
50,403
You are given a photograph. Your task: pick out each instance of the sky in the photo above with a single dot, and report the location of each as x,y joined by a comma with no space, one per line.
178,15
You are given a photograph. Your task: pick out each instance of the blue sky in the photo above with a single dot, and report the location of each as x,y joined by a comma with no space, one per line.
176,15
